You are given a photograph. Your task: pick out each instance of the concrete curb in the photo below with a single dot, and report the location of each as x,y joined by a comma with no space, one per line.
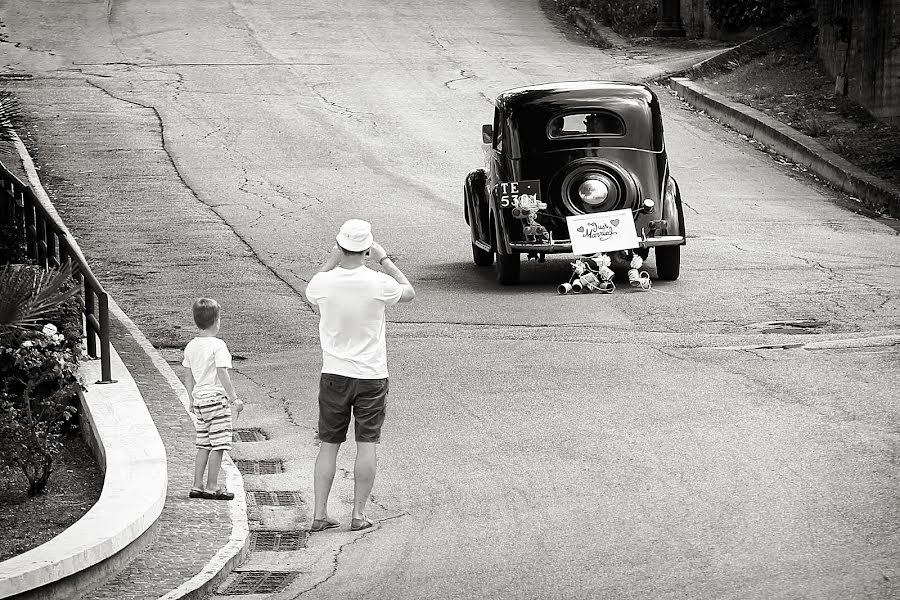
874,193
133,459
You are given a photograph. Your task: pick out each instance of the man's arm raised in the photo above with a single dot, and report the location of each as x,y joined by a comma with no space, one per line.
378,253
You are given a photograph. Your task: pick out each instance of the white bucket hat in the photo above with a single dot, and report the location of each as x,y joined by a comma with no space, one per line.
355,235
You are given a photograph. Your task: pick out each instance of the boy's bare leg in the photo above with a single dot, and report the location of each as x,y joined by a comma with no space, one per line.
363,477
326,465
200,467
215,463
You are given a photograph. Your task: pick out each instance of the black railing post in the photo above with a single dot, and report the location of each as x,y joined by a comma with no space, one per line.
105,363
88,315
30,229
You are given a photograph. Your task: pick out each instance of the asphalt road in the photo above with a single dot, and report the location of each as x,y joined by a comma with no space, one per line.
681,442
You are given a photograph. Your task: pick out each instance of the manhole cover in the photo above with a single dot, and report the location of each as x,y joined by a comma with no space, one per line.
258,582
278,541
264,498
249,435
259,467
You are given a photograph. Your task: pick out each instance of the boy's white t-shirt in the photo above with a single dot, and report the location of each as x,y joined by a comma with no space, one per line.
352,325
202,356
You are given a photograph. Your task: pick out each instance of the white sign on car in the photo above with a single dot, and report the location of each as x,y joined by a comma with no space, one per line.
602,232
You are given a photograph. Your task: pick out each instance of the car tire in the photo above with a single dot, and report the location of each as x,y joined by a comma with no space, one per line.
508,268
482,258
668,262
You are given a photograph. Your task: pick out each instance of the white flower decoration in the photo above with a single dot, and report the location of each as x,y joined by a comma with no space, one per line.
49,329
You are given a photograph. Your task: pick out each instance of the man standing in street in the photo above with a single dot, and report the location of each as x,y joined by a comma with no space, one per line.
351,298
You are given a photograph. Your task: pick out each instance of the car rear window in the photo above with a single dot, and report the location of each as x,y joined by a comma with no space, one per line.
599,123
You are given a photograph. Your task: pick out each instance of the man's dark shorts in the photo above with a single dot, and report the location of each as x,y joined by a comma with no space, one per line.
339,395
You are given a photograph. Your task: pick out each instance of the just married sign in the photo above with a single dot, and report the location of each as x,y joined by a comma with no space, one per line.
602,232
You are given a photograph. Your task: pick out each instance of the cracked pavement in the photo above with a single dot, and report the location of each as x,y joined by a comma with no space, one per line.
636,445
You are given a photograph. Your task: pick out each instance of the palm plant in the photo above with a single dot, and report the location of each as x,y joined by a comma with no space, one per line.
28,296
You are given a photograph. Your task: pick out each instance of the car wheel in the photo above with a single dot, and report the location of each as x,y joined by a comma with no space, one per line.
508,268
668,262
483,258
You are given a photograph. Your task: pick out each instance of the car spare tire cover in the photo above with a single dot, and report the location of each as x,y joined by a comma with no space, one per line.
621,186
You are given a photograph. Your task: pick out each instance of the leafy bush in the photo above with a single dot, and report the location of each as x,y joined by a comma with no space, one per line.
738,15
12,244
624,16
627,16
40,335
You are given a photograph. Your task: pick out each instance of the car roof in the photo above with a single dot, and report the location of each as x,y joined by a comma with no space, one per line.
525,112
575,93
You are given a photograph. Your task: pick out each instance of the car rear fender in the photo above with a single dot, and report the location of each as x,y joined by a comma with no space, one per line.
476,207
672,211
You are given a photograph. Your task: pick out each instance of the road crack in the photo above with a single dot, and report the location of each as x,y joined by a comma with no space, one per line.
193,192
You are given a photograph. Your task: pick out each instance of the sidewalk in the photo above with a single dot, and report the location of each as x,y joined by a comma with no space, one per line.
191,532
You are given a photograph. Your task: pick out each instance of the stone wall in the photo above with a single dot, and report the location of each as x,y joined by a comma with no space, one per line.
859,44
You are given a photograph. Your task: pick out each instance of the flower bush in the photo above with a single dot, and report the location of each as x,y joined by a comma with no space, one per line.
38,368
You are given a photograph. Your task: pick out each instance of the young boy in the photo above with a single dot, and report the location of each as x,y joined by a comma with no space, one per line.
211,395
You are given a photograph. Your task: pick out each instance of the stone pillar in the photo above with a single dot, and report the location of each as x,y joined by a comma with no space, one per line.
669,21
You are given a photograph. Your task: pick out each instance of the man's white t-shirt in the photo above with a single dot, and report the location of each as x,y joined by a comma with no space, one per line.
351,324
202,356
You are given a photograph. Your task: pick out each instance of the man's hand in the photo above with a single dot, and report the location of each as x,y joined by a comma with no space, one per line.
377,252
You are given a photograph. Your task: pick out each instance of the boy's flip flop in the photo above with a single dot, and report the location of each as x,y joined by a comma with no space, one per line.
218,495
360,524
196,494
323,524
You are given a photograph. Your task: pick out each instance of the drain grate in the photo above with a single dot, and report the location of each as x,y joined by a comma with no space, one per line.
249,435
278,541
264,498
259,467
259,582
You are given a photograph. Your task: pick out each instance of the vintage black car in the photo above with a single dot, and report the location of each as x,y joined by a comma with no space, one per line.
574,148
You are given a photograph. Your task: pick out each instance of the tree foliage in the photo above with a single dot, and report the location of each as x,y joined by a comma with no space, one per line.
624,16
740,14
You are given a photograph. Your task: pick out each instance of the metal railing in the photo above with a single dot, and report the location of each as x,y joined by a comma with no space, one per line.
50,245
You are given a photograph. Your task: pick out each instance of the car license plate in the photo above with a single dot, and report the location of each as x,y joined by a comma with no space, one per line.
519,194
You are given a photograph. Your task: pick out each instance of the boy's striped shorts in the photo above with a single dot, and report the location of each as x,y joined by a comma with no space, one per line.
214,426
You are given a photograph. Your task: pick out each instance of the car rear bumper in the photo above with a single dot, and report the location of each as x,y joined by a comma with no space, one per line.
565,246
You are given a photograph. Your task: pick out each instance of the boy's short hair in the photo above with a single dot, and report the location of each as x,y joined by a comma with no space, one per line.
206,312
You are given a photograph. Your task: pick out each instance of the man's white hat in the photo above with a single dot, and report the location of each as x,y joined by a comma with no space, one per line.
355,235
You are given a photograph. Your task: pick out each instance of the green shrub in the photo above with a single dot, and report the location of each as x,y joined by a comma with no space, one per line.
40,338
624,16
627,16
12,242
738,15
